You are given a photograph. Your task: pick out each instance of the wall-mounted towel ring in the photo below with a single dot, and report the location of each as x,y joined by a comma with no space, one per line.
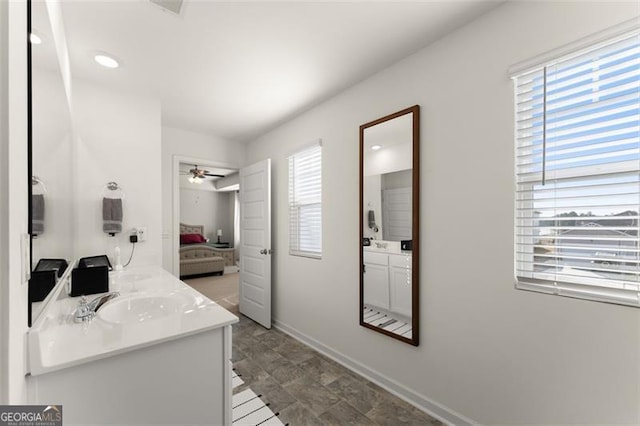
113,190
38,185
112,209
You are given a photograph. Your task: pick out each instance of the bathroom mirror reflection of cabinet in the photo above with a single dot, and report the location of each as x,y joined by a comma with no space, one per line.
50,180
389,225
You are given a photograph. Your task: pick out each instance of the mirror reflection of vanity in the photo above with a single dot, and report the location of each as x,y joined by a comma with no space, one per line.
389,228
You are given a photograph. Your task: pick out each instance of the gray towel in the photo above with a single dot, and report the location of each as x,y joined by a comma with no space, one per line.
372,221
37,214
112,215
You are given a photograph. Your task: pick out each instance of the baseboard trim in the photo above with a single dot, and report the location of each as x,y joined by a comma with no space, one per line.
421,402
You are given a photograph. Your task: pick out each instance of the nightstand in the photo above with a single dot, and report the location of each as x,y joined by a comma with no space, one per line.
219,245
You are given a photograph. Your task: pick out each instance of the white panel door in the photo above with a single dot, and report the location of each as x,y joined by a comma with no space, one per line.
255,242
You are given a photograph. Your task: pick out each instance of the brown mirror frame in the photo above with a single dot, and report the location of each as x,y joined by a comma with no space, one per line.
415,226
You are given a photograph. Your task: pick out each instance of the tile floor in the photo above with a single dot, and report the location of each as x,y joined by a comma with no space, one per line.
307,388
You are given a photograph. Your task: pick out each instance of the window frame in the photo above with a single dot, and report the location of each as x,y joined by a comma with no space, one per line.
584,290
295,207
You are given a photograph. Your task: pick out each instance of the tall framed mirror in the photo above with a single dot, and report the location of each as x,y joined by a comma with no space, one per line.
51,154
389,225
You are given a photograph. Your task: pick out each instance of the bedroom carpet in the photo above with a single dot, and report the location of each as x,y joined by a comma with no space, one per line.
221,289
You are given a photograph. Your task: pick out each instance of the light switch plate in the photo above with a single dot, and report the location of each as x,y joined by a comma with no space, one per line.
25,252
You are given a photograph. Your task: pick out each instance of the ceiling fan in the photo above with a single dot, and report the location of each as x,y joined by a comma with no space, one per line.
197,175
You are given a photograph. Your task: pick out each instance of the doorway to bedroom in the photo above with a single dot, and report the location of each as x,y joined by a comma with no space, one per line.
209,231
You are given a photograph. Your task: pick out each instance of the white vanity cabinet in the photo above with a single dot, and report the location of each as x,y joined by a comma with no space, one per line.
387,281
400,284
159,353
181,381
376,279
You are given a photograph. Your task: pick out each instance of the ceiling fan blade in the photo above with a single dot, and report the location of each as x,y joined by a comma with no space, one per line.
212,174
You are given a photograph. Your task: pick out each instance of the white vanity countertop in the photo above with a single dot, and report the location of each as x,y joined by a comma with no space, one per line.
57,342
387,250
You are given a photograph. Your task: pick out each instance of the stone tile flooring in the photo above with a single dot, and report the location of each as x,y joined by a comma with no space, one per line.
307,388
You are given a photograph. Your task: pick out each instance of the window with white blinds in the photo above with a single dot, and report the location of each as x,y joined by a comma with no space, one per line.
305,202
578,174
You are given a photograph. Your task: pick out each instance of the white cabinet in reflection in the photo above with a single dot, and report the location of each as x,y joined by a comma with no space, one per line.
387,281
376,280
400,284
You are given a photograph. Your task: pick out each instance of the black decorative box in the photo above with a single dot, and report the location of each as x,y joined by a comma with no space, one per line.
58,265
40,284
94,261
90,280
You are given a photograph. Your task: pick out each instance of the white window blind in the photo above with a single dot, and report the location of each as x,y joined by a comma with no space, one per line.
577,165
305,202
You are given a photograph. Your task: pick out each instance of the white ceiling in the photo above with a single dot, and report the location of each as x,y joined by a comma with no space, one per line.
238,69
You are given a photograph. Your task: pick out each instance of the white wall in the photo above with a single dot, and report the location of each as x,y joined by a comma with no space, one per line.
13,200
184,143
213,210
118,138
488,351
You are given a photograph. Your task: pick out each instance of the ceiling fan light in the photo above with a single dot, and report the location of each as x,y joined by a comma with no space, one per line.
192,179
198,180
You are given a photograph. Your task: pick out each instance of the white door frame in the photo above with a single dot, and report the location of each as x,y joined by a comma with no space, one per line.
175,201
14,202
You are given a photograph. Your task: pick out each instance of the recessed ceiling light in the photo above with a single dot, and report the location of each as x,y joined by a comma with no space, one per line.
106,60
376,147
35,39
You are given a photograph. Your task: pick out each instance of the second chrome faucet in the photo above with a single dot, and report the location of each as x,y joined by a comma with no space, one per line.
86,310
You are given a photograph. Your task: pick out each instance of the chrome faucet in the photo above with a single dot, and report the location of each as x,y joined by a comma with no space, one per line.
87,310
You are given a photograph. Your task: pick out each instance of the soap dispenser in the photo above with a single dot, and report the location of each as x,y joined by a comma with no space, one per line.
118,262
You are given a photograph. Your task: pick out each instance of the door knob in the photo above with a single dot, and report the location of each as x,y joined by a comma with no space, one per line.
263,251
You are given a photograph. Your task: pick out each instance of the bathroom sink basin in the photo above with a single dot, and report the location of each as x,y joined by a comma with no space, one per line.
384,246
139,308
129,276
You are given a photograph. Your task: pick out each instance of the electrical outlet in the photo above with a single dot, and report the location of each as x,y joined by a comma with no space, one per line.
141,232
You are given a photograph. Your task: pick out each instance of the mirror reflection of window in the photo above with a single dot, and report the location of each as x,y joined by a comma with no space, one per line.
396,205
